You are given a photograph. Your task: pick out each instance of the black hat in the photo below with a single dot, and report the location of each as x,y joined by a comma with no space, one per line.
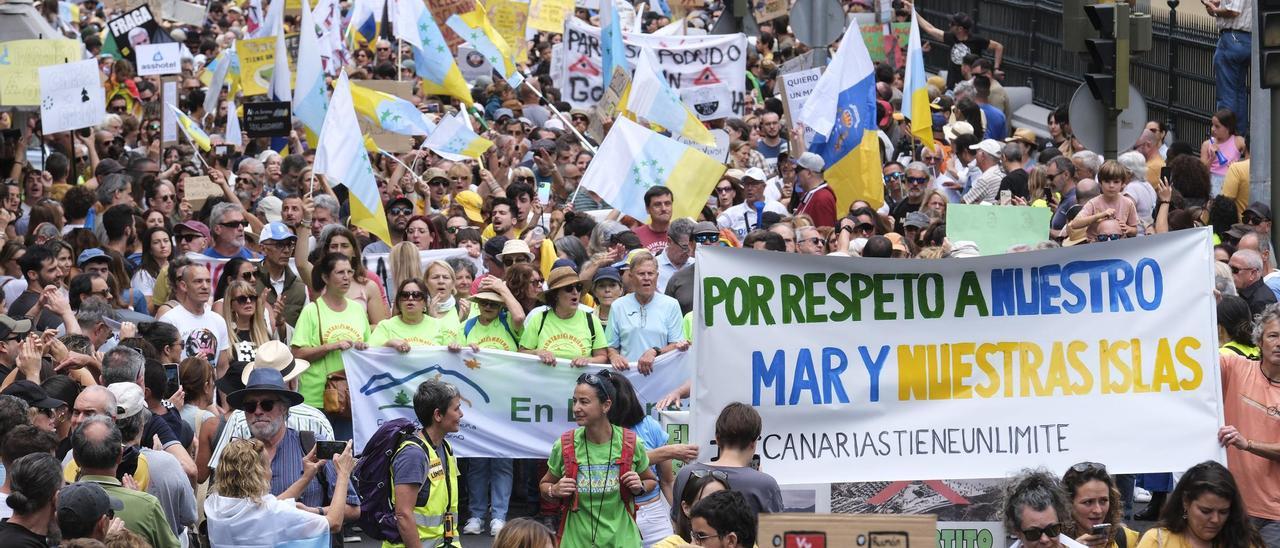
33,394
85,502
266,380
494,246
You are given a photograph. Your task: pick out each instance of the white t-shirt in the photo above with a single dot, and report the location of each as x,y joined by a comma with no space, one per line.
204,335
5,511
241,522
738,217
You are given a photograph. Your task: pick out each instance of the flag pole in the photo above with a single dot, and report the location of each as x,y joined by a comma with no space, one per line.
553,108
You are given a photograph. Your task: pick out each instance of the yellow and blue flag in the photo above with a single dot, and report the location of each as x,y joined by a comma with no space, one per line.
842,113
433,62
474,27
390,112
366,22
613,52
310,103
193,132
651,98
341,157
915,102
633,158
453,139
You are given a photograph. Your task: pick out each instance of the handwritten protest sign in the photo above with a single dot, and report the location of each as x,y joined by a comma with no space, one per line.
71,96
19,62
505,415
795,88
707,71
549,15
996,228
510,18
882,369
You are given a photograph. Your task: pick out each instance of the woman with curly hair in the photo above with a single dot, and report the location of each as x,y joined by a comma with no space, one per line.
1035,509
1204,509
1095,501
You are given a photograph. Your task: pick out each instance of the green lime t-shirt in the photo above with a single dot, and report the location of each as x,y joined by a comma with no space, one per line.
568,339
427,332
494,336
320,325
601,513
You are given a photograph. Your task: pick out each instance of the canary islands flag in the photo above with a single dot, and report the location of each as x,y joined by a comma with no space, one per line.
842,113
474,27
433,62
650,97
390,112
341,157
193,132
915,102
633,158
454,140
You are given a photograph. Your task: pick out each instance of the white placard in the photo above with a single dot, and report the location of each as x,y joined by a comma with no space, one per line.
159,59
71,96
799,85
169,122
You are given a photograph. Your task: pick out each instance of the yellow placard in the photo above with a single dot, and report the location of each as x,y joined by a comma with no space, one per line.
549,15
509,18
257,61
19,59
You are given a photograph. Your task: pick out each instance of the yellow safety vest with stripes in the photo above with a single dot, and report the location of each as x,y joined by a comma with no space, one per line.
441,508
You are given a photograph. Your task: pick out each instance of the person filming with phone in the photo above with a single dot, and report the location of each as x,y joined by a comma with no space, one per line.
1096,508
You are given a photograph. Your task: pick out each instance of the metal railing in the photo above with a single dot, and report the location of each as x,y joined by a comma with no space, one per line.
1031,32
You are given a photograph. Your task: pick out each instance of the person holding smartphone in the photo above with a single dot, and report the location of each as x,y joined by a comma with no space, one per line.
1096,508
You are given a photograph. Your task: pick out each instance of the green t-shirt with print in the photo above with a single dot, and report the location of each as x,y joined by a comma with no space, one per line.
424,333
495,336
601,513
568,339
319,325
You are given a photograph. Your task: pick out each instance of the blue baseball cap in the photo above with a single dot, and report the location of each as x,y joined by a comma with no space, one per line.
276,231
607,273
92,254
565,262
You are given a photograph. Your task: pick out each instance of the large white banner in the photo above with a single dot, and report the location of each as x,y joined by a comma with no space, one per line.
709,72
513,406
884,369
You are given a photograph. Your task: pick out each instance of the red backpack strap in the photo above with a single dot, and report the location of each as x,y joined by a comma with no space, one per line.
570,460
625,461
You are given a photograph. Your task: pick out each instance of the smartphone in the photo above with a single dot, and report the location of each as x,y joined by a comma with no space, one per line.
544,193
325,450
171,378
433,107
1006,197
1164,172
1101,530
223,151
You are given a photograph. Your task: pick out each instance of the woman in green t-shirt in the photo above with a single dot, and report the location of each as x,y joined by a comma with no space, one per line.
442,304
411,326
326,327
601,517
498,320
563,330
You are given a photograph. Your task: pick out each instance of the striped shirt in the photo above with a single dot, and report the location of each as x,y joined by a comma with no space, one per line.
1242,22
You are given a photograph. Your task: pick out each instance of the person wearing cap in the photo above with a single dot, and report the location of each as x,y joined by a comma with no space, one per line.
48,308
819,201
606,287
515,252
94,261
744,217
644,324
987,187
40,405
658,203
470,205
278,246
13,332
97,446
1258,215
500,318
35,483
562,330
85,510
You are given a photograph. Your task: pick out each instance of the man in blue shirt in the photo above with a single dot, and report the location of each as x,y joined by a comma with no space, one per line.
996,126
228,223
645,323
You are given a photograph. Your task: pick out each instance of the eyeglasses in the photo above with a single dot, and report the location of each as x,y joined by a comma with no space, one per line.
893,176
250,406
411,296
1082,467
188,237
706,238
702,537
165,198
234,224
1108,237
248,276
917,180
1034,533
1252,220
724,189
512,260
438,182
286,245
246,299
814,240
401,211
525,180
535,281
384,49
488,304
865,228
1237,270
453,229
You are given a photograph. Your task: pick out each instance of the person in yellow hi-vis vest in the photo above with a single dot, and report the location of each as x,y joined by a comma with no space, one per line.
424,472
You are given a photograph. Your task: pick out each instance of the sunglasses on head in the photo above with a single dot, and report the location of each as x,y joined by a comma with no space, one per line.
599,381
720,475
246,299
267,406
1034,533
412,296
1082,467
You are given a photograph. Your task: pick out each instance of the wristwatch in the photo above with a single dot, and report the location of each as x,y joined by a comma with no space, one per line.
657,351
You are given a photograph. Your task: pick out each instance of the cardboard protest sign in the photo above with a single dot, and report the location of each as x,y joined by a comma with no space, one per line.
883,370
71,96
159,59
996,228
768,10
191,12
20,61
157,7
707,71
795,88
135,28
549,15
267,119
386,140
198,189
830,530
510,18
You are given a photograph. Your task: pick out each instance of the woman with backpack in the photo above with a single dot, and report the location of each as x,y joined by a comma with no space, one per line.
563,330
596,470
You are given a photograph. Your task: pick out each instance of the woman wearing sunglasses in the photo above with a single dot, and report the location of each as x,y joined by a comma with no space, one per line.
595,509
525,283
563,330
1036,510
1096,508
702,483
238,268
244,310
411,325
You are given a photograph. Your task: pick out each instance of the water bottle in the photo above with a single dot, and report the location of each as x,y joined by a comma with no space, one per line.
1221,158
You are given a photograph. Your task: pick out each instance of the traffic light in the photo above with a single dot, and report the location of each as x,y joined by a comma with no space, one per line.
1269,29
1108,76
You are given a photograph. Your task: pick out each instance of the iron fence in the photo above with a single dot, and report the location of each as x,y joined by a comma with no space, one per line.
1031,32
